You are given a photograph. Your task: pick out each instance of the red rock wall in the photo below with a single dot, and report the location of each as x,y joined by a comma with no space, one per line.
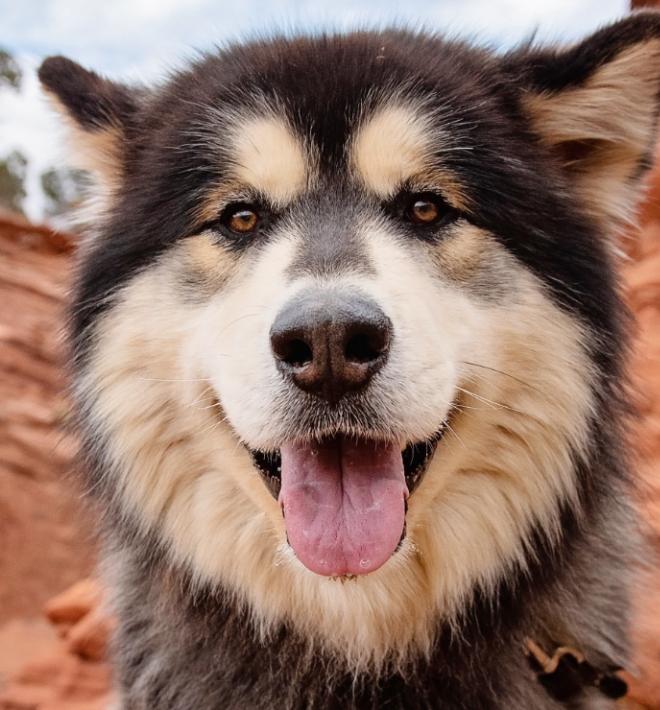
44,545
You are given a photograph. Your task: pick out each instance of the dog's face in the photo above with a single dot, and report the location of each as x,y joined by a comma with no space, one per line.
348,307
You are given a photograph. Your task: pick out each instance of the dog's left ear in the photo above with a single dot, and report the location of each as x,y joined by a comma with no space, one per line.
596,105
99,114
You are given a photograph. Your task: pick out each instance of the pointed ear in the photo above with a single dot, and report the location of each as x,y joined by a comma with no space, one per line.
596,106
99,114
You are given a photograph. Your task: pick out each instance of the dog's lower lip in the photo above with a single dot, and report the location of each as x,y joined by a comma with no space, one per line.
415,461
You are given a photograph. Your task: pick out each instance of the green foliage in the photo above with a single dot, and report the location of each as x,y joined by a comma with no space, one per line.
13,169
62,189
10,71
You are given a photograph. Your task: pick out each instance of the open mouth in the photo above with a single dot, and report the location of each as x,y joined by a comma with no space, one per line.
344,499
415,458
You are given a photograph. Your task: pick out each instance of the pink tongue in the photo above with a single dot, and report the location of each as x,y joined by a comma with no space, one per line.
343,503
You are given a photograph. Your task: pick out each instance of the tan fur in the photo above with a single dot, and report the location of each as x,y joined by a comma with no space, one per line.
611,121
96,151
505,465
215,198
442,180
268,157
205,261
462,251
395,146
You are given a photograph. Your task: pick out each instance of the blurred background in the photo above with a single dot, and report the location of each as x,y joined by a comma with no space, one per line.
53,625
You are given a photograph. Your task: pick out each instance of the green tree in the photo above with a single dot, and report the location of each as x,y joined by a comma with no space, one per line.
13,169
63,190
10,71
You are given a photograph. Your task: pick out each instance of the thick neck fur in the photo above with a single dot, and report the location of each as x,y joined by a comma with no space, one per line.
170,633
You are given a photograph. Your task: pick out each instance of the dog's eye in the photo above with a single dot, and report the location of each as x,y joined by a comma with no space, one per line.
241,219
424,209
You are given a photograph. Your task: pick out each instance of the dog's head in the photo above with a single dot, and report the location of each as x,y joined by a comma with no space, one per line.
348,310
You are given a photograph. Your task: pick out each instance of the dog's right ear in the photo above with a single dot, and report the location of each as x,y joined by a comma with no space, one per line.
98,112
595,105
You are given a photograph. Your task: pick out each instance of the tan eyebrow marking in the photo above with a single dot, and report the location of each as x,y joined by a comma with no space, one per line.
394,146
214,199
269,158
264,156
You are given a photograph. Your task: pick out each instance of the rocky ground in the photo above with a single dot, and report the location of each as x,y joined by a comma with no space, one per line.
53,625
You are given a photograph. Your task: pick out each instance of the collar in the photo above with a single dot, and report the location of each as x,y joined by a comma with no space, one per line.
566,673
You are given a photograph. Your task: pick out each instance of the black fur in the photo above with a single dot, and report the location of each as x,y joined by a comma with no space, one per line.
94,102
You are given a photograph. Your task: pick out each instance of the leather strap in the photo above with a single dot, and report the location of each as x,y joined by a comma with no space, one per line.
566,673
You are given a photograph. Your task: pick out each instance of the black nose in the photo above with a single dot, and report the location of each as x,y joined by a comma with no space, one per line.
330,343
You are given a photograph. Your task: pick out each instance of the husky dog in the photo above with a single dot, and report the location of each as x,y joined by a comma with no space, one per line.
348,363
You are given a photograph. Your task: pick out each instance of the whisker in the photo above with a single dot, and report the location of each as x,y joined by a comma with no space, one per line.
485,400
214,425
182,379
203,396
453,431
215,405
470,407
240,318
500,372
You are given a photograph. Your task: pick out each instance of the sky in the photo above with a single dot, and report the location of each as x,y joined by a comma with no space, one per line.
142,39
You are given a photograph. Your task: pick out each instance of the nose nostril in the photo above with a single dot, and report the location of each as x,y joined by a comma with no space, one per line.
295,352
364,347
330,344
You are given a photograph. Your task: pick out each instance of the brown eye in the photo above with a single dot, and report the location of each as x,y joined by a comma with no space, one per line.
241,219
423,210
